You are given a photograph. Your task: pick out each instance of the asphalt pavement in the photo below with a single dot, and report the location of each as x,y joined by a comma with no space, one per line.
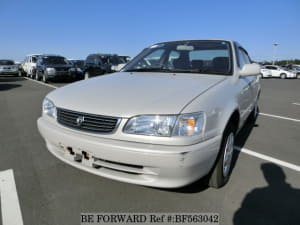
260,191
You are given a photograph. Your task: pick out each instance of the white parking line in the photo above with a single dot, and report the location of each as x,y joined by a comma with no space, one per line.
268,158
296,103
279,117
48,85
10,207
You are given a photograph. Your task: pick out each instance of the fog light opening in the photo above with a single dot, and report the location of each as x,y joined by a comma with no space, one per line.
86,155
70,149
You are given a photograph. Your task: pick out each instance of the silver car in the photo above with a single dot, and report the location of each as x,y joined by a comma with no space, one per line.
167,119
8,67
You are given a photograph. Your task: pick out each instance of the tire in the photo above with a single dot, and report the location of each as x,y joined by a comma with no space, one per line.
260,76
283,76
36,76
222,168
44,78
86,75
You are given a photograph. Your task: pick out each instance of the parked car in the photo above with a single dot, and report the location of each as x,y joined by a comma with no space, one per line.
78,67
28,67
49,67
265,73
125,58
167,119
8,67
99,64
122,61
279,72
295,69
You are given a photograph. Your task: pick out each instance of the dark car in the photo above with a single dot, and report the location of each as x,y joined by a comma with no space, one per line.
8,67
50,67
78,67
99,64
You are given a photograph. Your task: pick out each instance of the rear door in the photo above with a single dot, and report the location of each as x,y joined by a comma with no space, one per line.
250,86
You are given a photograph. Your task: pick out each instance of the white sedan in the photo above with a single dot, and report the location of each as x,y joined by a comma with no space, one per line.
168,118
265,73
278,71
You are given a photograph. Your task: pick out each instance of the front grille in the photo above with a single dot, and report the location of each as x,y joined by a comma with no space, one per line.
86,122
62,69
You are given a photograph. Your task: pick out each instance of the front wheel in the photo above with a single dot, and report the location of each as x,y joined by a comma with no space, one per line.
44,78
221,171
36,76
283,76
86,75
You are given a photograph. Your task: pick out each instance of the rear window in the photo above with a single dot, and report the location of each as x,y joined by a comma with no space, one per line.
7,62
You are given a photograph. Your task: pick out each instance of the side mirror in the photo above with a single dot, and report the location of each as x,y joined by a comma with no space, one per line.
250,70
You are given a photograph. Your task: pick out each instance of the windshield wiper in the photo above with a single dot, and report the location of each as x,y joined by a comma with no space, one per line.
149,69
202,71
159,69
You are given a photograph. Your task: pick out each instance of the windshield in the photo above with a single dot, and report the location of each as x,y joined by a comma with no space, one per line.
78,63
54,60
7,62
195,56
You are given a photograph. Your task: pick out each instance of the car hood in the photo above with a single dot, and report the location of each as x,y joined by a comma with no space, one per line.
127,94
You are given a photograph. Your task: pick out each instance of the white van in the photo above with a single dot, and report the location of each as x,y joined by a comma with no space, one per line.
29,65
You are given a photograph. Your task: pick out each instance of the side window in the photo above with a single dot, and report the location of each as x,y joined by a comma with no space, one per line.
271,67
33,58
96,61
243,57
173,56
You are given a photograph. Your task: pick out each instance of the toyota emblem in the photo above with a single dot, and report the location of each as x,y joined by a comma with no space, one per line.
79,120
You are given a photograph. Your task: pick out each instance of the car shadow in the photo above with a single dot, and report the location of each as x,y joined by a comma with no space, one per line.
201,184
10,78
276,204
242,138
5,87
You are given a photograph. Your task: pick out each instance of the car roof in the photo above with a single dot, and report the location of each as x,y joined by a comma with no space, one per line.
51,55
194,40
33,54
100,54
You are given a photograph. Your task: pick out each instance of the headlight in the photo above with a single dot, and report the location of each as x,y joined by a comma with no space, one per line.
166,126
49,108
50,70
151,125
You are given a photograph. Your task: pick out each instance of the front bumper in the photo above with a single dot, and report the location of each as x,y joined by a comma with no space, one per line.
9,71
60,75
145,164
